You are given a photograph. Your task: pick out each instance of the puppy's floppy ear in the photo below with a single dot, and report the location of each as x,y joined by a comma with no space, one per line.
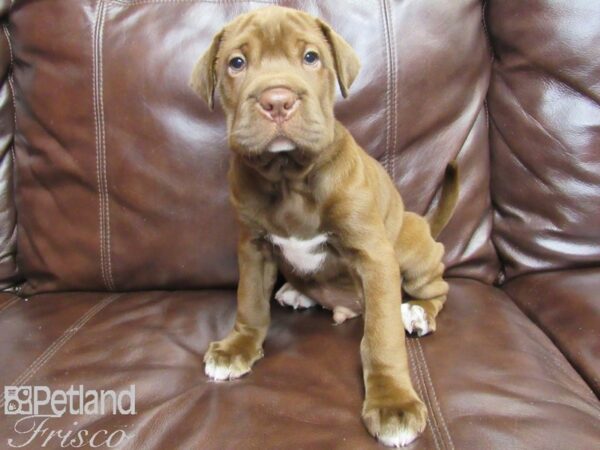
204,76
346,61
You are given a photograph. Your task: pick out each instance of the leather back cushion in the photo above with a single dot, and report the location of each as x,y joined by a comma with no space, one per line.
545,134
121,168
8,218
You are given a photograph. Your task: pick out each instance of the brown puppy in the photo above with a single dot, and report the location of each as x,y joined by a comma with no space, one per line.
312,203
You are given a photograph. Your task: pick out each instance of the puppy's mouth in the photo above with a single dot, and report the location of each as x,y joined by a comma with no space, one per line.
280,155
281,144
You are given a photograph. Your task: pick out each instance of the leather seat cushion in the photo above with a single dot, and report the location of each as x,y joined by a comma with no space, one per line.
565,305
490,378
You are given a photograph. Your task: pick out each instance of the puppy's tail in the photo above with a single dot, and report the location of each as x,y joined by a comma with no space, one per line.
439,217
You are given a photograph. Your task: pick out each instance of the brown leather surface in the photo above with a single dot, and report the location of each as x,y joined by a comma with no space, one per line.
7,300
8,218
123,159
490,378
544,104
565,306
442,67
121,185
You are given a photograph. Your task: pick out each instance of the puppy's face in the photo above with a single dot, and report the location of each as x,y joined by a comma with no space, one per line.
276,71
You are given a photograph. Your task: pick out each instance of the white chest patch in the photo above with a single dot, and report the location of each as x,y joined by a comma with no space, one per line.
305,255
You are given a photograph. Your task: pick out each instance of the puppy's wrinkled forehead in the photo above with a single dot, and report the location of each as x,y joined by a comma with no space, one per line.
271,32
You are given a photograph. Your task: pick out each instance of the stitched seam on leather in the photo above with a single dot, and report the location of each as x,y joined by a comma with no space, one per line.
501,263
386,46
487,115
97,142
417,384
11,301
12,150
488,39
393,91
435,400
427,397
12,91
422,391
432,416
100,147
105,165
41,360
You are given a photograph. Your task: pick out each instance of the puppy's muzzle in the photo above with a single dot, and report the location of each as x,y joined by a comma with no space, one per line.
278,104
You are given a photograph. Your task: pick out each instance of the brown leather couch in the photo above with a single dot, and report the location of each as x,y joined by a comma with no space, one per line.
118,244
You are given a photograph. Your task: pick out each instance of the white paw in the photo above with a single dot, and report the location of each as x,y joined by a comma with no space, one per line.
398,438
341,314
221,364
288,296
415,319
396,427
222,372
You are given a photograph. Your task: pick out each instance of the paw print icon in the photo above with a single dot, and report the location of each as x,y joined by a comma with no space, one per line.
18,400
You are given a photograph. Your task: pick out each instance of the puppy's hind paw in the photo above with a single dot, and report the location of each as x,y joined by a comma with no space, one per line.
341,314
287,295
415,319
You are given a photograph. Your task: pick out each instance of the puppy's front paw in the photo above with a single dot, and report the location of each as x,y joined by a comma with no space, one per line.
222,363
396,426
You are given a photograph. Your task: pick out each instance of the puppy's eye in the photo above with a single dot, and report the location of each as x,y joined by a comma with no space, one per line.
311,57
237,63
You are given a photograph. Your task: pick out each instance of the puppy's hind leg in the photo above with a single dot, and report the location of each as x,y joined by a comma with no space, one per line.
420,259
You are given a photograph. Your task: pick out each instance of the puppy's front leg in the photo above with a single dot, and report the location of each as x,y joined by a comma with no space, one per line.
392,410
234,356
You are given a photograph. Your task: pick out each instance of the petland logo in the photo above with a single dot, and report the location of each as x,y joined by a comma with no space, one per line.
39,405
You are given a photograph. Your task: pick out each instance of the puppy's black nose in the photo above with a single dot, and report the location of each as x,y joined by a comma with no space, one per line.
278,104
